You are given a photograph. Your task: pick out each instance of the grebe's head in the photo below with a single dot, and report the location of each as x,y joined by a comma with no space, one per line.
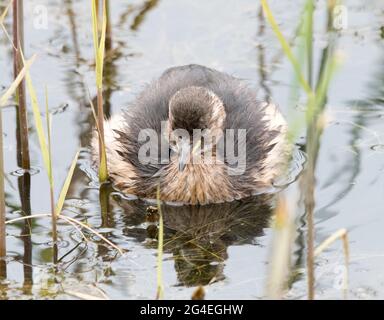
194,111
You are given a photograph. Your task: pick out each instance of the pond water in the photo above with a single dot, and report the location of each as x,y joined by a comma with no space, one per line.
223,247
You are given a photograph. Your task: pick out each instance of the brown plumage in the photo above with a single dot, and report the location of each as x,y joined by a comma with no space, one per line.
188,98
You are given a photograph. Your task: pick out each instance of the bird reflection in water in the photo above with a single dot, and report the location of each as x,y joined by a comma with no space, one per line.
198,236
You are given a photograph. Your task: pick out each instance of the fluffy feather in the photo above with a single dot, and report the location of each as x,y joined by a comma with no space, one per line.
266,143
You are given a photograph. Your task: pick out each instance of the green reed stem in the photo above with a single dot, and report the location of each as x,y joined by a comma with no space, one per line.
283,228
160,249
104,193
50,178
3,101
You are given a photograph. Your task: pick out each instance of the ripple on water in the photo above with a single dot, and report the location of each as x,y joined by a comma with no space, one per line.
20,172
296,167
61,244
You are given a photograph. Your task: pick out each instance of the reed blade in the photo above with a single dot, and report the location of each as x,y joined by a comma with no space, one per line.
49,128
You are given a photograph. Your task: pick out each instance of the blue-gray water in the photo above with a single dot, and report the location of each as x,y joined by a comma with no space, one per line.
226,248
